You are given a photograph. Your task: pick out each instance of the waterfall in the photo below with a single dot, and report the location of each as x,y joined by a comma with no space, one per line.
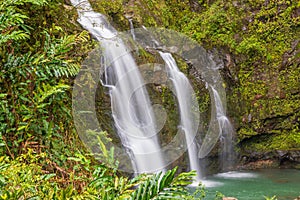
225,132
184,95
131,108
132,112
131,28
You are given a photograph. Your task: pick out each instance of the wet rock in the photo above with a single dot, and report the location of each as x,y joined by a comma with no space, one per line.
229,198
281,153
260,164
294,156
279,158
68,2
288,157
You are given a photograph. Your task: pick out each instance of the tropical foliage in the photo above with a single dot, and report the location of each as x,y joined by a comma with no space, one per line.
25,178
41,49
41,155
35,67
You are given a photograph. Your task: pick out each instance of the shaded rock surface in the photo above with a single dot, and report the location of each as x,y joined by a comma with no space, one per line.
272,159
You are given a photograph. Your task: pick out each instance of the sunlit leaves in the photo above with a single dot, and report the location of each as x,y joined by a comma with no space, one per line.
12,20
165,186
35,79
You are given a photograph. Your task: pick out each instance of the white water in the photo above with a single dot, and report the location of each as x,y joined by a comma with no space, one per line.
185,99
225,132
132,111
236,174
131,28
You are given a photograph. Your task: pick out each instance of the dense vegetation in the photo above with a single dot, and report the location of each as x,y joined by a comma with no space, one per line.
41,155
41,48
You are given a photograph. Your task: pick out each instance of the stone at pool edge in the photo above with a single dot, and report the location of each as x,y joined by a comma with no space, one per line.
229,198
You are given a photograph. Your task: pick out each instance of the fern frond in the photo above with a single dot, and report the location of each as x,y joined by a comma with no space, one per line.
67,69
7,3
84,36
11,19
164,186
55,62
184,179
15,36
47,90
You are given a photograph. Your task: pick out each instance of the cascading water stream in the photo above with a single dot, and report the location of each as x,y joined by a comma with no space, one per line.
131,108
184,95
131,28
225,130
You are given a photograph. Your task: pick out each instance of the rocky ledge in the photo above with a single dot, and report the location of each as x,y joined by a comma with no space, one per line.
273,159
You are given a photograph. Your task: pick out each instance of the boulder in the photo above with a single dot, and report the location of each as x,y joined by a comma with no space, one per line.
229,198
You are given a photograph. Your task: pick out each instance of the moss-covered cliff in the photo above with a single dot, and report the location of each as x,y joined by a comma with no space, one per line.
259,43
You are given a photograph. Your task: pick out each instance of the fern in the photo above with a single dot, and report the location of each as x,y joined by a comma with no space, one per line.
55,61
37,91
11,20
47,91
52,63
165,186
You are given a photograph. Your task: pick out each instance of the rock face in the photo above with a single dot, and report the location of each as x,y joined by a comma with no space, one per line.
293,156
271,159
261,56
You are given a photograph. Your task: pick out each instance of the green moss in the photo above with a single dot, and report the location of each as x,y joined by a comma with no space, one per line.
258,36
287,140
114,10
246,132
